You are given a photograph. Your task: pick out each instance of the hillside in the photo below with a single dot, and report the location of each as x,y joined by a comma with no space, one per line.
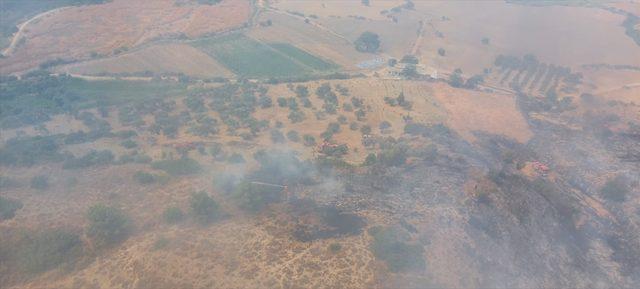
319,144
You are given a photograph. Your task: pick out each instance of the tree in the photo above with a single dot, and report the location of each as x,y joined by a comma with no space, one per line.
485,41
40,182
172,215
8,208
616,189
441,52
107,225
411,59
456,79
368,42
204,208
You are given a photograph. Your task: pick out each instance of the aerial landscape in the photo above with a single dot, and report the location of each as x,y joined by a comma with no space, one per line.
169,144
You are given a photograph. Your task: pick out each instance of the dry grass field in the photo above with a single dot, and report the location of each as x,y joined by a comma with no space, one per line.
77,32
161,58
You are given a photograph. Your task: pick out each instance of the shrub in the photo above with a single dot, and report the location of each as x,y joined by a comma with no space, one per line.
92,158
441,52
129,144
293,136
265,101
40,182
179,167
204,208
277,136
390,246
254,197
335,247
409,59
367,42
309,140
173,215
365,129
43,251
144,177
8,208
282,102
616,189
107,225
236,158
384,125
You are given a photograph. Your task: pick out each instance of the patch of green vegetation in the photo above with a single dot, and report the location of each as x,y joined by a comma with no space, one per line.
92,158
304,57
37,96
29,151
173,215
40,182
144,178
179,167
616,189
42,251
204,208
254,59
8,208
391,246
107,225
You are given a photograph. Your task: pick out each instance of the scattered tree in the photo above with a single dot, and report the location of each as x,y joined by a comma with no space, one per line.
368,42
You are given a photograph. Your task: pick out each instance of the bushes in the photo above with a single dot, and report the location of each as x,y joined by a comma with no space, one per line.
180,167
309,140
277,136
93,158
40,182
254,197
293,136
367,42
616,189
204,208
8,208
30,151
46,250
390,245
173,215
144,178
107,225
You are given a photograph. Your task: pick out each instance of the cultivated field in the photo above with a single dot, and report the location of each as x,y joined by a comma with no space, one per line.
256,59
158,59
289,29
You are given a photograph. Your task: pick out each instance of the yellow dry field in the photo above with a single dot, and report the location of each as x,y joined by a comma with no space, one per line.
469,111
76,32
160,58
567,36
343,8
309,37
396,39
620,85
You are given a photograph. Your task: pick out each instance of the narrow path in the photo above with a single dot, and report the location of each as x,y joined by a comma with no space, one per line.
18,35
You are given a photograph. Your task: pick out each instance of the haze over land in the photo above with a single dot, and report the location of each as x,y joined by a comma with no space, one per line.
319,144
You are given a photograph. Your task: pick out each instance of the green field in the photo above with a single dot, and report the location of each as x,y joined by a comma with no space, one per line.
250,58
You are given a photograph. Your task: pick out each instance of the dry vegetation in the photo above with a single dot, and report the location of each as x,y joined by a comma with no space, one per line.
221,170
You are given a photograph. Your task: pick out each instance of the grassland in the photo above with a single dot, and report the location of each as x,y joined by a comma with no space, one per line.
254,59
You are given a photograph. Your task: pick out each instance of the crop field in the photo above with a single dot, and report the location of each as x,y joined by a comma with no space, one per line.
289,29
158,59
303,57
251,58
